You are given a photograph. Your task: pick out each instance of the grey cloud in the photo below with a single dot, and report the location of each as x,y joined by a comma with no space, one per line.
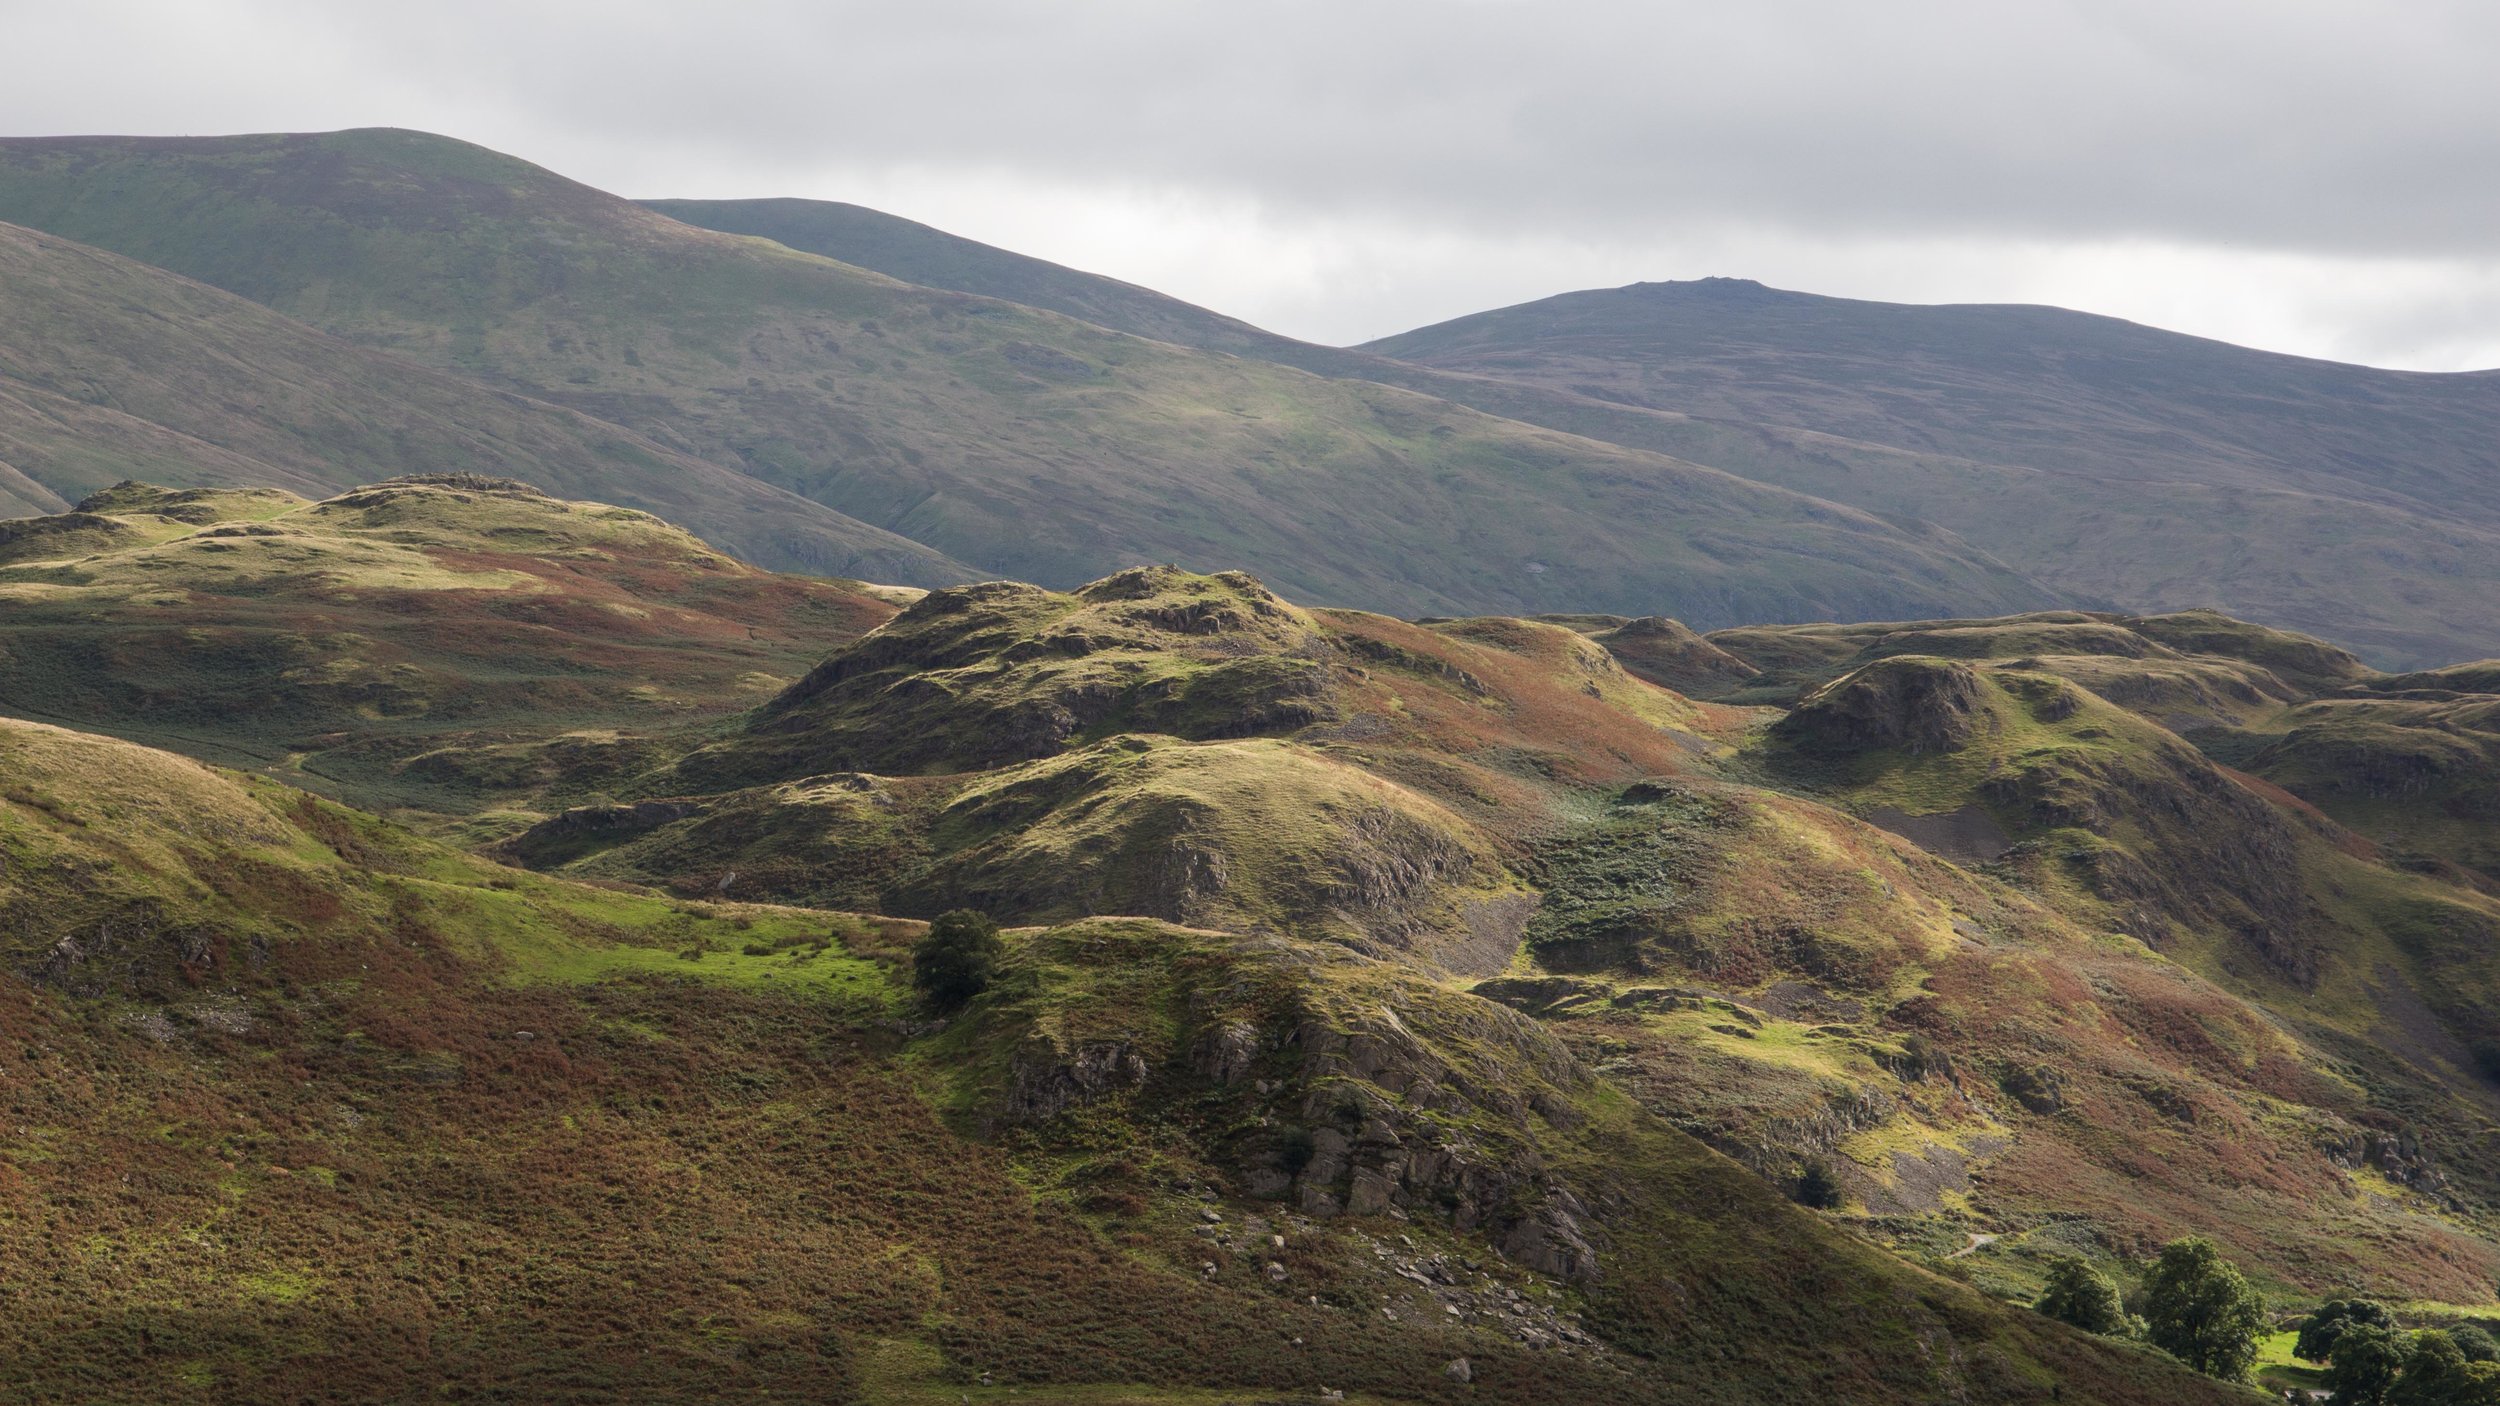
2298,126
2345,137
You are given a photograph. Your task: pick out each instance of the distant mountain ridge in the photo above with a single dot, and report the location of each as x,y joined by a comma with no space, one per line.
2128,501
114,370
1022,441
2151,467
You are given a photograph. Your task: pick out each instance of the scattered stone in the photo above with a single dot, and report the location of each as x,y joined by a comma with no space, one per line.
1458,1370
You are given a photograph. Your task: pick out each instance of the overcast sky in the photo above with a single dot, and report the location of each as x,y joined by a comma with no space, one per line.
2309,176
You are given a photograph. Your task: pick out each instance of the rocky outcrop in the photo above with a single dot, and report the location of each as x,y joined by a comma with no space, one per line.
1046,1079
1401,1102
132,950
1373,1121
557,837
1909,704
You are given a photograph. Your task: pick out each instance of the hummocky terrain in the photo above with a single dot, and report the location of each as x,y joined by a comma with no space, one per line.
459,891
1379,993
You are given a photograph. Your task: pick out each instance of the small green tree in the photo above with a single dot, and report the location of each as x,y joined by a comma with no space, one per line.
2316,1342
1817,1187
2475,1343
2199,1309
2367,1361
954,961
2082,1296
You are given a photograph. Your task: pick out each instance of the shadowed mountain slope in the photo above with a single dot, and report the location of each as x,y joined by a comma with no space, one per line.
2145,467
114,370
2119,463
1031,444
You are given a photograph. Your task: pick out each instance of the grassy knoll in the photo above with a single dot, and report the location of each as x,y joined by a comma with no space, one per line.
380,644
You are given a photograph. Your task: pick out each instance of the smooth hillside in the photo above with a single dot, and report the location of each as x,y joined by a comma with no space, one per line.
115,370
1033,445
932,258
380,1120
2116,461
2164,540
363,642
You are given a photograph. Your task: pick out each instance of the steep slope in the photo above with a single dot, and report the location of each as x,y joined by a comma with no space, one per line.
365,641
2144,467
114,370
382,1120
1032,445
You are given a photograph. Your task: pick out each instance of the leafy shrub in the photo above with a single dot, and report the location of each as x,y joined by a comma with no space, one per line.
2082,1296
954,961
2487,1059
2199,1309
2476,1343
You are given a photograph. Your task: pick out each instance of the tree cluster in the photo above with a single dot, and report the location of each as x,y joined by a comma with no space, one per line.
2195,1305
2371,1361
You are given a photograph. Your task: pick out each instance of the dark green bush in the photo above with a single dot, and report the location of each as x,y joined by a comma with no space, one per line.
954,961
1817,1187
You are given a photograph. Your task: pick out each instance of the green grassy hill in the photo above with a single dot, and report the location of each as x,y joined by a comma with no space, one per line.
2116,461
1025,442
114,370
380,1119
446,643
